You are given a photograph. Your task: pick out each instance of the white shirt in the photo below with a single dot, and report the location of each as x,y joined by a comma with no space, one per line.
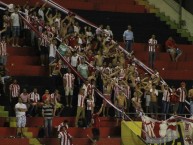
21,106
41,13
74,60
52,51
15,19
155,91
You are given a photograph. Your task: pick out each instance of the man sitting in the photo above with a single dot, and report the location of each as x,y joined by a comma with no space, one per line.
172,48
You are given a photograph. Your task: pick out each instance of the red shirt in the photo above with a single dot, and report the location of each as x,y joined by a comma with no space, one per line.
72,41
96,121
170,43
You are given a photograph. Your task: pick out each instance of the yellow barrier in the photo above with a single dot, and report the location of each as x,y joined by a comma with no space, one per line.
130,133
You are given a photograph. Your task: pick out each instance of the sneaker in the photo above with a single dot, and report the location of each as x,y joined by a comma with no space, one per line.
13,45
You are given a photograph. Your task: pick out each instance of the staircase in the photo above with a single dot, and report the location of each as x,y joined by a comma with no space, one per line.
109,134
24,62
167,19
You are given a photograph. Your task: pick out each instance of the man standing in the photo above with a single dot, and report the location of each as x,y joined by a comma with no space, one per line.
81,107
14,89
20,111
151,50
153,100
182,92
68,81
64,136
128,39
47,113
15,23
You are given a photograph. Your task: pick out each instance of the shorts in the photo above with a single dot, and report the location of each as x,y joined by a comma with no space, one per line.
16,31
21,121
58,105
171,50
44,50
51,59
68,91
108,97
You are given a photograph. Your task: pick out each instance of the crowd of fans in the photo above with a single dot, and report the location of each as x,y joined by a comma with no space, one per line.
96,57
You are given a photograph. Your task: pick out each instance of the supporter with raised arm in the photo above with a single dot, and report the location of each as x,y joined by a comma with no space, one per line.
173,49
121,103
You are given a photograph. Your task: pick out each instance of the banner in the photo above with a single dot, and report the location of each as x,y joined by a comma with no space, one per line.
159,131
188,132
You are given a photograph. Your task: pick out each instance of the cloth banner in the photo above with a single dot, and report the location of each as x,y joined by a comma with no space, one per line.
159,131
188,132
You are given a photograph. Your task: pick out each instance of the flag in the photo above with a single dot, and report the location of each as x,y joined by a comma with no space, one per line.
188,132
155,131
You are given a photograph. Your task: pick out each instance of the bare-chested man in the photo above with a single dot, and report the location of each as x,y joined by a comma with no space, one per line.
121,103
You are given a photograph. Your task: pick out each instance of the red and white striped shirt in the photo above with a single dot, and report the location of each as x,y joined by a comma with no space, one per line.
152,45
81,98
69,80
44,40
3,48
64,137
35,97
90,104
166,95
182,94
127,91
14,90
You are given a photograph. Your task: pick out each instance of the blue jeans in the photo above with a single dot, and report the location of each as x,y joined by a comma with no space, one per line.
191,107
48,127
151,59
128,45
165,106
181,108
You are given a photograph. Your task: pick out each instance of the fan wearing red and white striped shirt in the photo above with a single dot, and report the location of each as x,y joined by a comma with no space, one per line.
3,51
80,106
14,89
152,46
65,137
43,47
89,110
68,81
166,98
34,101
183,94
